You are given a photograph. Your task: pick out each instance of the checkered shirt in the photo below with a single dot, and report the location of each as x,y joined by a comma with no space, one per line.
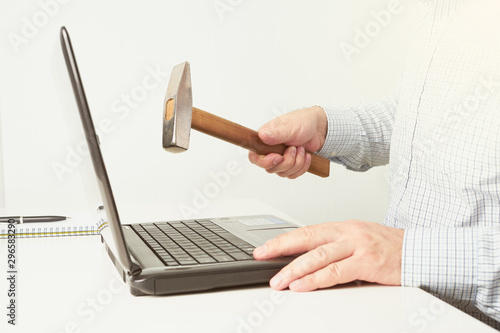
440,134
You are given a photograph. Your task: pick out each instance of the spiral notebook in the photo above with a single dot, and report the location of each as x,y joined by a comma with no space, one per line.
78,227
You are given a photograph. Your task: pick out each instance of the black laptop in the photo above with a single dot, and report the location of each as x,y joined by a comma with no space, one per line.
163,258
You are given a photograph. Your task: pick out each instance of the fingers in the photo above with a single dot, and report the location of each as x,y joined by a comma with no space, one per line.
294,162
304,168
338,272
265,161
296,241
313,262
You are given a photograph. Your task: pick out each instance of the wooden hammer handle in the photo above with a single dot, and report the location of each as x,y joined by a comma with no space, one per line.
247,138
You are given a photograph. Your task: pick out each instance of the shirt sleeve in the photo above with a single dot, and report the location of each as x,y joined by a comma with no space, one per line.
359,137
461,265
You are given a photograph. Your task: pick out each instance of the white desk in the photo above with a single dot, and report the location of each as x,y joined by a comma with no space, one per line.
70,282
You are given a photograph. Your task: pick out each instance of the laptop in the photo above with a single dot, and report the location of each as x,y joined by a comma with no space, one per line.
161,258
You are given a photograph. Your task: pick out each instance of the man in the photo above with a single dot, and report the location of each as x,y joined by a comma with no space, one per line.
440,133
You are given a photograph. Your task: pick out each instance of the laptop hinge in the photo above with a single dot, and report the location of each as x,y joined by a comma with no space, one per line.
136,269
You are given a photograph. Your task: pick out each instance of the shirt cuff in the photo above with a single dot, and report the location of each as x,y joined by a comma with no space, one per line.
442,262
488,300
343,134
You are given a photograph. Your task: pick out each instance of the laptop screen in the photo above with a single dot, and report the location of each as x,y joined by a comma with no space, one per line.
104,187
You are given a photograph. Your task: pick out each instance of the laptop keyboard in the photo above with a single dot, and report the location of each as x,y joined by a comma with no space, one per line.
193,242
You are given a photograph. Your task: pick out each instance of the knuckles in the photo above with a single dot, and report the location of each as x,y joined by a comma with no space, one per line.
321,254
334,272
307,235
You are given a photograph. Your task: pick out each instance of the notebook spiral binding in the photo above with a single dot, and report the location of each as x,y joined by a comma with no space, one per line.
37,232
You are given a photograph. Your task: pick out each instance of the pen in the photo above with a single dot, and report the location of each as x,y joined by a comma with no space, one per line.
32,219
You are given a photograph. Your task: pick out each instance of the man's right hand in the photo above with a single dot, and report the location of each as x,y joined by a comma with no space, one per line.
301,130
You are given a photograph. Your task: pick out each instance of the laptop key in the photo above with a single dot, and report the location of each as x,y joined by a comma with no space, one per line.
234,239
187,261
171,263
223,258
248,250
241,256
205,260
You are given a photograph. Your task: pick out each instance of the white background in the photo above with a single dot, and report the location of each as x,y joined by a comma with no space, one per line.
249,63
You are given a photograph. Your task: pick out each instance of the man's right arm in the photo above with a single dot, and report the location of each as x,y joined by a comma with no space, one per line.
357,137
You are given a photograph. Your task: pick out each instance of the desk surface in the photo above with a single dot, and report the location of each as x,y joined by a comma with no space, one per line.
68,284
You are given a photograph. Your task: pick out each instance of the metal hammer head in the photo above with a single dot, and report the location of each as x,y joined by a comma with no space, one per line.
177,110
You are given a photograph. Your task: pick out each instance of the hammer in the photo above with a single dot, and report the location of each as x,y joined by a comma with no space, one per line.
179,116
